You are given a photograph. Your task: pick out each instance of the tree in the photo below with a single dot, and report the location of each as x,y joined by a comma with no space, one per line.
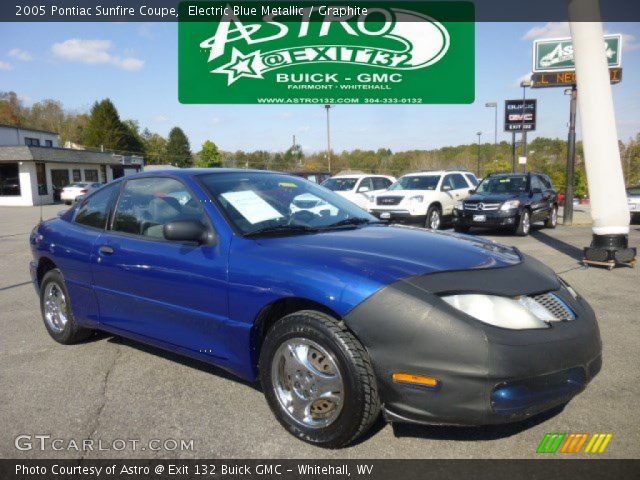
105,128
209,156
12,111
155,148
178,151
132,141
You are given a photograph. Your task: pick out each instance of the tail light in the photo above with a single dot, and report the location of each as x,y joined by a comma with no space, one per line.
84,190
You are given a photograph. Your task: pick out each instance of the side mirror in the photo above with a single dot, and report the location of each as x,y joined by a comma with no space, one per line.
446,188
472,191
186,231
80,198
363,189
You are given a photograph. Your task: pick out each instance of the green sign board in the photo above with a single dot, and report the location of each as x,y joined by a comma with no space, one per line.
557,54
308,53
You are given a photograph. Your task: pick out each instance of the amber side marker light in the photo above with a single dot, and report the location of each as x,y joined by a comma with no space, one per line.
424,381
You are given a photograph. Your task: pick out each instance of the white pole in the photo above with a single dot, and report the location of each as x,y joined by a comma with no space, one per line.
609,209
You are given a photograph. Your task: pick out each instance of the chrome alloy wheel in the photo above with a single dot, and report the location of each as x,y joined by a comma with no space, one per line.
434,220
55,307
307,382
526,222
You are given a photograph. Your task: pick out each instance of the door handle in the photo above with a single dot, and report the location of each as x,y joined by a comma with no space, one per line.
106,250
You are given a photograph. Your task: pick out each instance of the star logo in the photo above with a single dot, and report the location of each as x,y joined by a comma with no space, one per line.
241,66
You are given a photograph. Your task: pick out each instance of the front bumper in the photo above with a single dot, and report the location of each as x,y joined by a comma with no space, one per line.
402,216
487,375
492,218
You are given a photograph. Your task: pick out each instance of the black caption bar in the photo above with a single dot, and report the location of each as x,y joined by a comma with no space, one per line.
320,469
167,10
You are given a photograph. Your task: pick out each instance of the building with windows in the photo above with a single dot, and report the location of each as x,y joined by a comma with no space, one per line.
34,169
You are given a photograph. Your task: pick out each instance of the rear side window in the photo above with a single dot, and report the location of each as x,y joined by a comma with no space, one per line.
537,183
472,179
366,183
458,181
147,204
94,211
381,183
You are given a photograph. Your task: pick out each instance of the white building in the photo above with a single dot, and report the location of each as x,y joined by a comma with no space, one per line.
33,168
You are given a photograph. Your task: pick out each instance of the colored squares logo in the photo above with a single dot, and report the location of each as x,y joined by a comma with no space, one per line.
574,443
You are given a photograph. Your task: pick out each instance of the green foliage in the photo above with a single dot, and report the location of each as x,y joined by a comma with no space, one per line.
155,147
209,156
106,130
178,151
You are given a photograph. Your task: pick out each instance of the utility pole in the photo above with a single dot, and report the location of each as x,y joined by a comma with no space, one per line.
479,136
328,107
513,152
494,105
567,218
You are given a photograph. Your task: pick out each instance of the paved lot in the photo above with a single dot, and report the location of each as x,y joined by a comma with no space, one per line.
111,388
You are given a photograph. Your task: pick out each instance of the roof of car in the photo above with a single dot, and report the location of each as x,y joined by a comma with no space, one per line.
190,172
361,175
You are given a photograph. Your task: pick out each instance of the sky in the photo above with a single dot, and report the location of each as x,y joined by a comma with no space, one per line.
135,64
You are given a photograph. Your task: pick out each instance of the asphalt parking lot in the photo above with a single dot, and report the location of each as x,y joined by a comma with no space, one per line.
110,388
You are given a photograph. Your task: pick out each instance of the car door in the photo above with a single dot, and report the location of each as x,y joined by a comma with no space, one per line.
152,288
539,199
454,188
364,187
73,250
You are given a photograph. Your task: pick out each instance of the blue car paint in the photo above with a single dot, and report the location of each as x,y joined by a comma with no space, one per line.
203,301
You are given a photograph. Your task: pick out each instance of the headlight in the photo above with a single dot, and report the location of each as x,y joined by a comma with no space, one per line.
509,204
416,199
516,314
459,205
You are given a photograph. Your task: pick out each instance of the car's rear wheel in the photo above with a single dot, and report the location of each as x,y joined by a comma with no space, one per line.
434,218
552,220
56,310
318,379
524,224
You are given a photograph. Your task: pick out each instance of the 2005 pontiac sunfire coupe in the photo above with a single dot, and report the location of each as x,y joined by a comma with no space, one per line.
338,315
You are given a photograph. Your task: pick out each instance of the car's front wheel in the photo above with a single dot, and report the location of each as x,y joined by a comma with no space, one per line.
434,218
318,379
552,220
56,310
524,224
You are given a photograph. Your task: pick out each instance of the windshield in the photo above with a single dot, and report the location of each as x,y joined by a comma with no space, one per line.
256,202
414,182
503,184
340,184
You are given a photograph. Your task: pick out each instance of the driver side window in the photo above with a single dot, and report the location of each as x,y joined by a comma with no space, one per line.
147,204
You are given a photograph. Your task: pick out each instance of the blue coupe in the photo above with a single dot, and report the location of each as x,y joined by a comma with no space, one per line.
339,316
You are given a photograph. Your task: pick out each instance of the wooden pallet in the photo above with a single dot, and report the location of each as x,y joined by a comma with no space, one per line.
610,264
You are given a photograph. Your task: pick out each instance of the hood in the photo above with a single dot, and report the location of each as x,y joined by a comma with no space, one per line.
491,197
384,254
404,193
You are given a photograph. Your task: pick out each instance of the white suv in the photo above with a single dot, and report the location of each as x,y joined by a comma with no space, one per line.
358,188
424,197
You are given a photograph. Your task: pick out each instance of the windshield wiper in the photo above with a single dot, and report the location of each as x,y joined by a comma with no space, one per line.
351,222
281,229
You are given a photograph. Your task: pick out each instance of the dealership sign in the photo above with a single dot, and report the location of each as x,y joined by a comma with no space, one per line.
305,53
557,54
516,118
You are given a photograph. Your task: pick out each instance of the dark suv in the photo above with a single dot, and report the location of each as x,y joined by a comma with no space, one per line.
509,200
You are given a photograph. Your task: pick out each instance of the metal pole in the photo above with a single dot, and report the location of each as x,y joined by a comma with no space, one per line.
524,132
513,152
571,159
479,135
328,107
495,126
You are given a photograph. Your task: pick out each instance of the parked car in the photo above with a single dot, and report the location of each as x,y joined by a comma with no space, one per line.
509,200
633,199
423,197
69,193
359,188
315,177
337,314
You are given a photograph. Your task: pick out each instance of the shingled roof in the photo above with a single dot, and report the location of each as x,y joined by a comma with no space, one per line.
59,155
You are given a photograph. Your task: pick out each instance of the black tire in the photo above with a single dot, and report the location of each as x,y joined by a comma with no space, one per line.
67,202
361,404
72,332
433,210
552,219
524,224
460,229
